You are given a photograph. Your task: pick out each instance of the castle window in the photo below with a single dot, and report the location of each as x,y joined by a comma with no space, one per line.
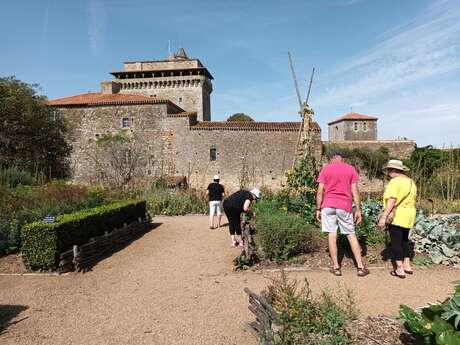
355,126
365,126
125,122
213,153
180,99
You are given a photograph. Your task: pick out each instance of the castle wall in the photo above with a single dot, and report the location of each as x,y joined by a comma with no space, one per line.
251,158
161,65
88,124
398,149
191,93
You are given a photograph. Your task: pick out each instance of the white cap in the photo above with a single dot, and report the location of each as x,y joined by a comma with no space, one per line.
256,192
216,177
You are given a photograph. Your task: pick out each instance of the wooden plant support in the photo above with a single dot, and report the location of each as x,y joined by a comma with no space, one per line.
267,324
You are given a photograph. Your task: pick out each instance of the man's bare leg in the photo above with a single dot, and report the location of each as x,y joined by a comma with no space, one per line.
332,239
219,217
211,221
356,249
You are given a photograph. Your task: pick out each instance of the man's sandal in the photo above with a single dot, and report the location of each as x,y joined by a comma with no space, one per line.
336,271
362,272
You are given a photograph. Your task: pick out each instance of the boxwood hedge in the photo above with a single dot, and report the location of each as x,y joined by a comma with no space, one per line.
43,242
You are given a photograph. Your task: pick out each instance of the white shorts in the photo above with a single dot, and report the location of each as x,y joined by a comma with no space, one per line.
334,218
215,208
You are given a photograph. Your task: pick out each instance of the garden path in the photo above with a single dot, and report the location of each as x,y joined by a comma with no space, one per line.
175,285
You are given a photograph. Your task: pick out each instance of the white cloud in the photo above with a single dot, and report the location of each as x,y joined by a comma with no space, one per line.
421,57
97,26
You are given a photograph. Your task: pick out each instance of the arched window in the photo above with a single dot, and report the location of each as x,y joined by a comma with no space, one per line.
355,126
365,126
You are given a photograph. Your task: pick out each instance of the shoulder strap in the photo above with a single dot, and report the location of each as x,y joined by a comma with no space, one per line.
408,193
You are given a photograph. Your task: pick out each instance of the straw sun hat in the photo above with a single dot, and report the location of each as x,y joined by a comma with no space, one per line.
396,164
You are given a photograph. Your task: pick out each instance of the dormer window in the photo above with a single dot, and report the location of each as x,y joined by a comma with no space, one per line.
125,122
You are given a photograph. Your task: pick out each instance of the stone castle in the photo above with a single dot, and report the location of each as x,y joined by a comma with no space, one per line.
166,105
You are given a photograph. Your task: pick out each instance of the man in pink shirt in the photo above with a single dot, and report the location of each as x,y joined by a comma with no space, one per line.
337,188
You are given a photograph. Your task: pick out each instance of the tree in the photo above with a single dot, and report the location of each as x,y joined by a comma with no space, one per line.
32,134
240,117
118,160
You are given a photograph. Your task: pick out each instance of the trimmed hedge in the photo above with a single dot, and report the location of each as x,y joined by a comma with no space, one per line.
43,242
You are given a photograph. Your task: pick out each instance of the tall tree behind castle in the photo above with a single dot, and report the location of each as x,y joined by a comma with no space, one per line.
32,135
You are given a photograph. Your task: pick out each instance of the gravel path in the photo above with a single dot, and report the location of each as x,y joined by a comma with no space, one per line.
175,285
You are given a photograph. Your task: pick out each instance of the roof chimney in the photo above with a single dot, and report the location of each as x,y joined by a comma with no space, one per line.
109,87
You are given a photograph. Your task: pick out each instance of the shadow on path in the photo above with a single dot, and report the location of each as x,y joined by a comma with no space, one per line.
9,312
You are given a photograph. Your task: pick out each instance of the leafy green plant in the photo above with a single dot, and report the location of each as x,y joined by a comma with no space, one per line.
439,238
367,231
309,319
43,242
282,235
437,324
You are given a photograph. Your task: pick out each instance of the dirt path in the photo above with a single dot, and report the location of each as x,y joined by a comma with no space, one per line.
175,285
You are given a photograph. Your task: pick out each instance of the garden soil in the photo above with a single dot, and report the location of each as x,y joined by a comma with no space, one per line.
176,285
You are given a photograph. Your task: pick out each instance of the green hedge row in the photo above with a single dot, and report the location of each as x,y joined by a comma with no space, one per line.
43,242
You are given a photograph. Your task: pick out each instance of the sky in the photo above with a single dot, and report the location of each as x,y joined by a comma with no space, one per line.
398,60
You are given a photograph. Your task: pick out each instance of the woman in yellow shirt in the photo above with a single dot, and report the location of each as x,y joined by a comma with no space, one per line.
399,214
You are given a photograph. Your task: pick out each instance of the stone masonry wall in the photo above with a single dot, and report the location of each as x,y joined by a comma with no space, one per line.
90,123
398,149
260,158
191,93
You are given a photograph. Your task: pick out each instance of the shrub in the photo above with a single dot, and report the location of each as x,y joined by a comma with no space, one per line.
13,176
437,324
27,204
161,200
308,319
367,231
43,242
282,235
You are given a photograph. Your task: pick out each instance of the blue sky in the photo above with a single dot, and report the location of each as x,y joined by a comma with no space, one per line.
398,60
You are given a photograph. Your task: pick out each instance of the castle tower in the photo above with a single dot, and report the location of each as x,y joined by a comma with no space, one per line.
182,80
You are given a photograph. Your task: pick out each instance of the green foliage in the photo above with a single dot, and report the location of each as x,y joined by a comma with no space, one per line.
439,238
27,204
308,319
367,231
13,176
300,195
437,324
370,161
32,134
161,200
240,117
43,242
282,235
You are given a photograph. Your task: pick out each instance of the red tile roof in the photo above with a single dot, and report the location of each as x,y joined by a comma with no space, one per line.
353,116
98,98
249,126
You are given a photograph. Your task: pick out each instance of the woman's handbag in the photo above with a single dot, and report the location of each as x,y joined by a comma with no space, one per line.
391,214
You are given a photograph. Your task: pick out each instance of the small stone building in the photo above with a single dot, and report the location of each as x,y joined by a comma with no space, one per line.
166,105
353,126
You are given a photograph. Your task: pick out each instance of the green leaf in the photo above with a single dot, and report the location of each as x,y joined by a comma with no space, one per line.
448,337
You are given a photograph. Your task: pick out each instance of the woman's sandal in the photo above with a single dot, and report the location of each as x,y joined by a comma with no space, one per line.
336,271
362,272
400,276
408,272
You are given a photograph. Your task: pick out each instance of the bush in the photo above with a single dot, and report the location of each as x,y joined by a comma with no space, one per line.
161,200
13,176
282,235
368,233
308,319
437,324
43,242
27,204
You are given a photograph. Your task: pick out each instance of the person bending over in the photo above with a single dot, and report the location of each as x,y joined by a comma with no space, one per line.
236,204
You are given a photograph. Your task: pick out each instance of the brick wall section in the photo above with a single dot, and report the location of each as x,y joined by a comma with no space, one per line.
399,149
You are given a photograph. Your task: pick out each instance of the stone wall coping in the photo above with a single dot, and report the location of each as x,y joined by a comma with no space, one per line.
249,126
383,141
